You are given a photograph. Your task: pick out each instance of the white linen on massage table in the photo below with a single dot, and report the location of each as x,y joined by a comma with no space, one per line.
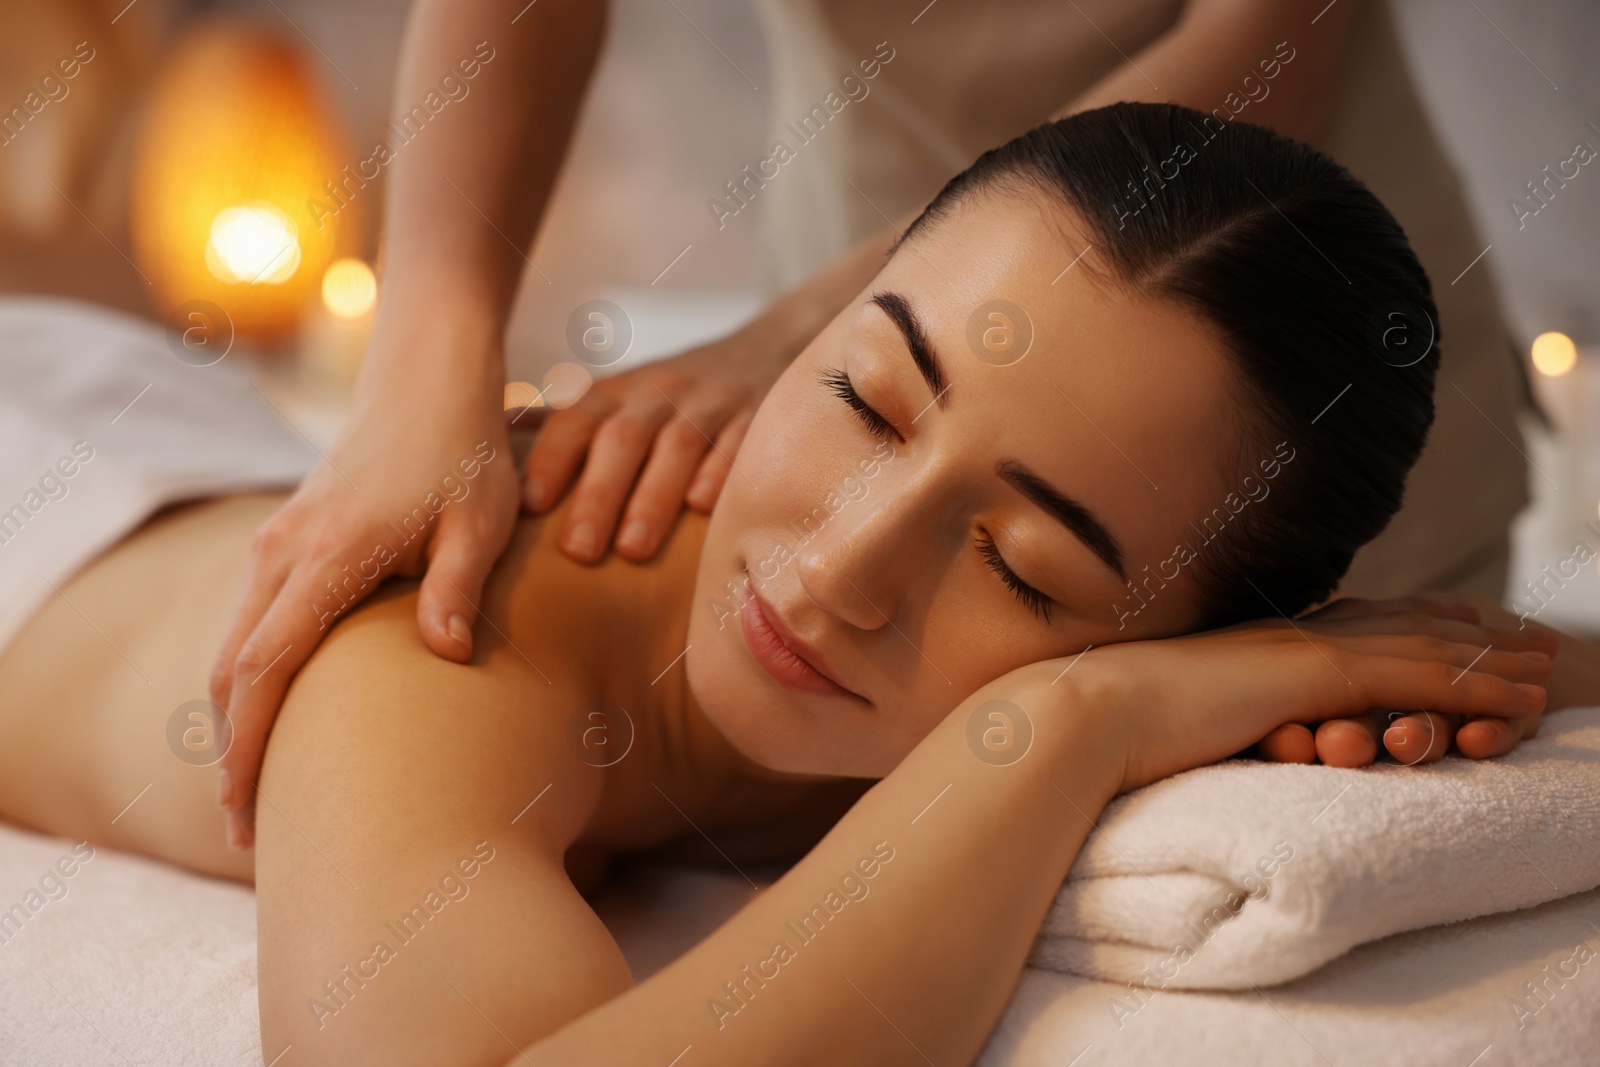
1183,879
160,430
144,963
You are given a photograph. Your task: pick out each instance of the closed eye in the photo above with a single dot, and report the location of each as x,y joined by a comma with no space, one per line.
1034,600
838,382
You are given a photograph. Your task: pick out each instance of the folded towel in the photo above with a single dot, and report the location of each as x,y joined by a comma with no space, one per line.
1247,873
101,424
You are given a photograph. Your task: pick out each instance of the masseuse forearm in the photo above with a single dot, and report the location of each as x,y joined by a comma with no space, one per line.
466,193
1217,44
1206,56
782,331
925,952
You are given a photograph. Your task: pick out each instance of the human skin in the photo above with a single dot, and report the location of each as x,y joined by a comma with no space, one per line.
464,204
389,765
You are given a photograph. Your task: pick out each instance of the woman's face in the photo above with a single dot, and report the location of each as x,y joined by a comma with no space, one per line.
919,511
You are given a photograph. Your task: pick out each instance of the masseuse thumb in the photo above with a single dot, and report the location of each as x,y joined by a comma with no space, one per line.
452,589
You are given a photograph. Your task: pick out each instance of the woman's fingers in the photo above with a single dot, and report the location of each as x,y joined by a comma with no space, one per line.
1420,737
1358,607
1289,743
1349,742
1528,665
1484,636
1485,737
1390,681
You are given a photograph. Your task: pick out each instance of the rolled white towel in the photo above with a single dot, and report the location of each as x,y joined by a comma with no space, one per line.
1248,873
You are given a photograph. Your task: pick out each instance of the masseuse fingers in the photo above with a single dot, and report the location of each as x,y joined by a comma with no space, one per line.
268,566
560,446
267,660
618,451
1356,607
718,463
447,602
679,445
1421,737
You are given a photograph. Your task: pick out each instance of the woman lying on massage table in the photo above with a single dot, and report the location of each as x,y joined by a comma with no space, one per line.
871,654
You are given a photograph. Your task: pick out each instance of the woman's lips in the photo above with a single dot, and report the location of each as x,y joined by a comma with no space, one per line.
775,649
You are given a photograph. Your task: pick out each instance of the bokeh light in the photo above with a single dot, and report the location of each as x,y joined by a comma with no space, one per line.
565,384
254,243
1554,354
522,395
349,288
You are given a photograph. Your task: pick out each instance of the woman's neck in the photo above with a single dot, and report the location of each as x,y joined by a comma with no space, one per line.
624,627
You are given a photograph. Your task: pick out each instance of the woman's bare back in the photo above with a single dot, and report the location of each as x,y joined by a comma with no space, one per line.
390,770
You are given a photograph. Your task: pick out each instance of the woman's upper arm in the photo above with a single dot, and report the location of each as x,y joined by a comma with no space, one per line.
412,818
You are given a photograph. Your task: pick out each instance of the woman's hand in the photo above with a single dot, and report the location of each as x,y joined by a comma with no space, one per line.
421,482
675,425
1178,703
1418,737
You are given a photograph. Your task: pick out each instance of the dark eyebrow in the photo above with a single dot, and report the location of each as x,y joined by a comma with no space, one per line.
894,305
1071,514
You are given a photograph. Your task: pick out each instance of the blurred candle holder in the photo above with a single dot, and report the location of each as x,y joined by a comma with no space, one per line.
235,145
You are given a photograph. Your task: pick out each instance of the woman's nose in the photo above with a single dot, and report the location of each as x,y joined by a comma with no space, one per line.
860,565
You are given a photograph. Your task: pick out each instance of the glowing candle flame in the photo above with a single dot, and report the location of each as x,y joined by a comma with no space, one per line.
349,288
1554,354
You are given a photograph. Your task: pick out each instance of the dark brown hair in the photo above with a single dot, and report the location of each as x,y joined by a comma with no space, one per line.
1315,290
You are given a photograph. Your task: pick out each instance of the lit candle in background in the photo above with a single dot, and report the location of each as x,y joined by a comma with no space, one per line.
335,336
1554,354
565,383
1566,384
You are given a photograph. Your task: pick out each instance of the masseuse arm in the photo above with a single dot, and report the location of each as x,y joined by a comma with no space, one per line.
920,967
464,196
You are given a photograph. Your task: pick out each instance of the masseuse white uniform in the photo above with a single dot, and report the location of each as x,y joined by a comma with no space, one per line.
967,77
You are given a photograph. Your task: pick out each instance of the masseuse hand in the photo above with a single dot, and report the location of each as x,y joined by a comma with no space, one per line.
681,420
1416,736
1178,703
427,443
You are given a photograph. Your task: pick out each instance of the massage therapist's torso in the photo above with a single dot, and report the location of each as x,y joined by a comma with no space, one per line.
558,640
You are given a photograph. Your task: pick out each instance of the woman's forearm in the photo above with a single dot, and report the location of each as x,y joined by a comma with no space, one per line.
901,935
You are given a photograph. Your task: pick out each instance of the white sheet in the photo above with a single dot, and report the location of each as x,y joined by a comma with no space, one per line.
143,963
